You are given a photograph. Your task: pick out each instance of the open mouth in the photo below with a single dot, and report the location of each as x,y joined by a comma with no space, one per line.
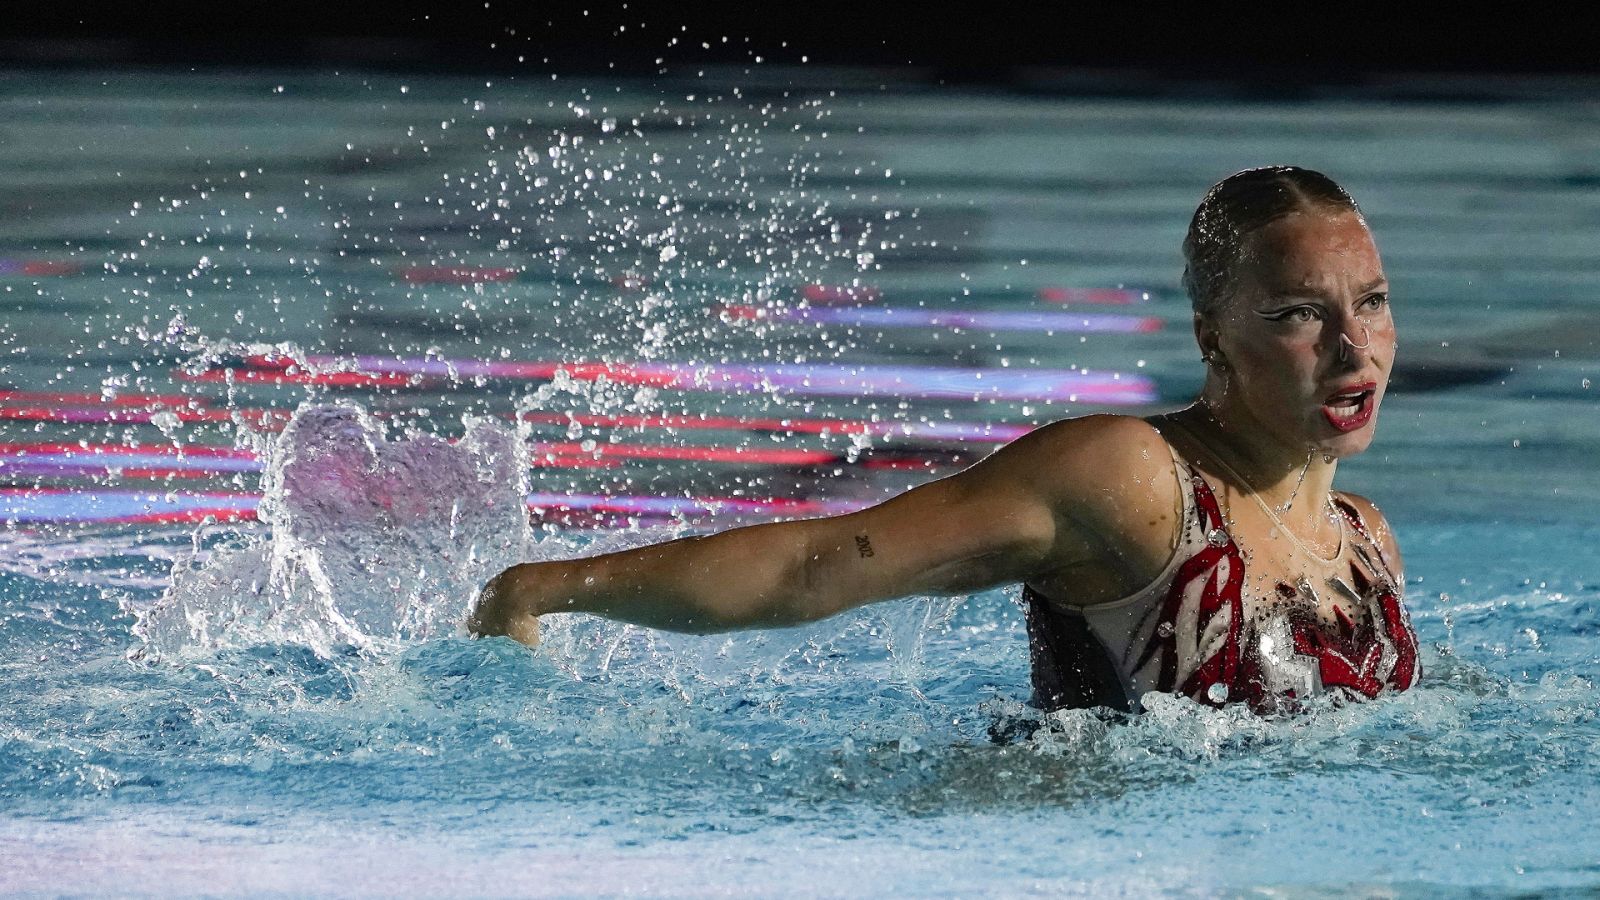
1350,408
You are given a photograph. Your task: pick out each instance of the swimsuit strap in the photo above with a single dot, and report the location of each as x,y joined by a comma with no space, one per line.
1185,472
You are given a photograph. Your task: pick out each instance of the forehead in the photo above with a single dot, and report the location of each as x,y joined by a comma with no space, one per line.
1312,250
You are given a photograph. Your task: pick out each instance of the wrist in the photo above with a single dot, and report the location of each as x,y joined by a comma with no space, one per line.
539,588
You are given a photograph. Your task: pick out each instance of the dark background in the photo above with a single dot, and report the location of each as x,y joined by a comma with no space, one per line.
1284,44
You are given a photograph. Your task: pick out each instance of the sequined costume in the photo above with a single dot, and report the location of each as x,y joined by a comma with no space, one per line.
1195,630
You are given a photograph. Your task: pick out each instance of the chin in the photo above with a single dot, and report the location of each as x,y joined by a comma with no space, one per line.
1343,449
1352,443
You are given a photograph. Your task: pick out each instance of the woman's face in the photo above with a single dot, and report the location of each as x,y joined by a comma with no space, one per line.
1306,337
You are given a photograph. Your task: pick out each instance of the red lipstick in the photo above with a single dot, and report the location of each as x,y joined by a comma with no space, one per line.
1350,408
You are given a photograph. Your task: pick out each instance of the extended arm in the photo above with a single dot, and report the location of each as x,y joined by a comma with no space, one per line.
999,521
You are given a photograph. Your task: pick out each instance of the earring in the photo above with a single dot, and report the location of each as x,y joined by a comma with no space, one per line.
1214,361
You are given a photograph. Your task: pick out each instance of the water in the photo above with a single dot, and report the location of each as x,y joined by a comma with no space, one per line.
207,695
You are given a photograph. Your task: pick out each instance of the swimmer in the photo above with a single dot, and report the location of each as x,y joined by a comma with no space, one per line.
1202,552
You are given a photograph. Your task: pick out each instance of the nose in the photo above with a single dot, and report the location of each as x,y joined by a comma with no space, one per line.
1348,344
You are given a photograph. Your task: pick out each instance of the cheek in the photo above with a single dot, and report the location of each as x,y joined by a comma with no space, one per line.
1384,342
1280,366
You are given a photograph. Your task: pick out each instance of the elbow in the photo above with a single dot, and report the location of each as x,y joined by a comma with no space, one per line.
777,610
705,623
774,583
807,591
796,591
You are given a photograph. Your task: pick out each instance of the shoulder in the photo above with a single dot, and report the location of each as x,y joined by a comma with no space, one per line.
1101,439
1102,466
1376,524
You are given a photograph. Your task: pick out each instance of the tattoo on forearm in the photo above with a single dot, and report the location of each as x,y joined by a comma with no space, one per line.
863,546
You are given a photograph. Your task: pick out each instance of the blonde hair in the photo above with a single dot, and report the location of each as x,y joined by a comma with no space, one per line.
1237,207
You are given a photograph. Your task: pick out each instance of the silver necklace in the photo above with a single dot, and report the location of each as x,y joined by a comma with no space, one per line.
1255,495
1303,586
1283,527
1298,482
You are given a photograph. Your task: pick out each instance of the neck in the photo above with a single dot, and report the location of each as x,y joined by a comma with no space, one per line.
1293,479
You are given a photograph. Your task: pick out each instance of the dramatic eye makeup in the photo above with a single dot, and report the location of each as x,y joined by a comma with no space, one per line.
1296,313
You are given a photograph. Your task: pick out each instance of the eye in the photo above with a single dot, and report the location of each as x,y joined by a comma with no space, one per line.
1294,315
1376,302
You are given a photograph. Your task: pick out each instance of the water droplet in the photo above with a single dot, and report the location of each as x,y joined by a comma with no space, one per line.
167,422
1165,629
1217,693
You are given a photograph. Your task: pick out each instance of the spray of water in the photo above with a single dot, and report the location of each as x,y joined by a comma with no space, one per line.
372,541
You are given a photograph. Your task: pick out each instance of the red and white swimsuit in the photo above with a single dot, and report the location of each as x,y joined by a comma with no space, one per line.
1194,630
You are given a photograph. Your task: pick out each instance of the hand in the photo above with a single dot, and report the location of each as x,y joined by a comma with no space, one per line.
498,612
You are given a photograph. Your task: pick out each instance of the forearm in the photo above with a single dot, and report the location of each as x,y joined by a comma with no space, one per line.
746,577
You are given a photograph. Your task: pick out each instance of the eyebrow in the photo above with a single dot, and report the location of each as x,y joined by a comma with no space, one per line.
1300,294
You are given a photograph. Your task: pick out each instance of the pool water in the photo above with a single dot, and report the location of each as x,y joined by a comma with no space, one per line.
291,362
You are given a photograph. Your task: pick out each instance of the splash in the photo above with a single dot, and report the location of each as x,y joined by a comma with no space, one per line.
372,542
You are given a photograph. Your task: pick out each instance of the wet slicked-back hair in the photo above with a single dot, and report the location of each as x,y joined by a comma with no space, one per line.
1237,207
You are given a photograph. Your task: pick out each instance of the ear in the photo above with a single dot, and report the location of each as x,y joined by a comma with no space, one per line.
1206,335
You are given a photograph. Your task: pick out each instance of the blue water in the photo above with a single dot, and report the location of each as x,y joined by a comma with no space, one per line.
287,707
